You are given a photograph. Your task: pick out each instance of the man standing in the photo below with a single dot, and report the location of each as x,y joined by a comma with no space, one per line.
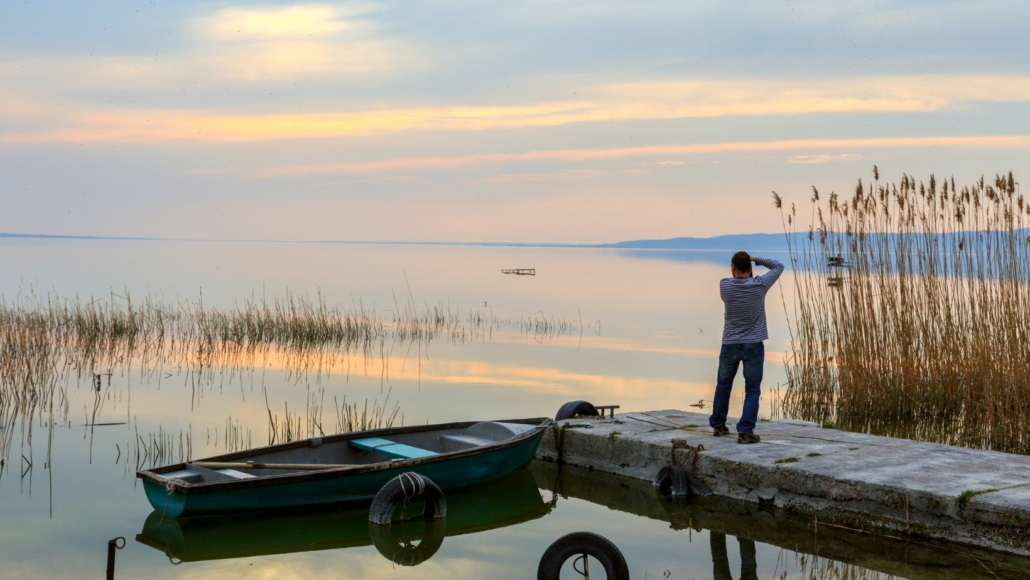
742,335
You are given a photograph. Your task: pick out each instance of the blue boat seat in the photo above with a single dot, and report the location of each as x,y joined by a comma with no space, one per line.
389,448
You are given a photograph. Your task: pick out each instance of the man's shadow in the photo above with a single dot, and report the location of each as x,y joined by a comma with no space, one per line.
721,562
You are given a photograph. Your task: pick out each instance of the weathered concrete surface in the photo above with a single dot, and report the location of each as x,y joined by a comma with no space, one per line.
862,481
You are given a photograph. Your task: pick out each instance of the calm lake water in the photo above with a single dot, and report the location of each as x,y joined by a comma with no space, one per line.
638,329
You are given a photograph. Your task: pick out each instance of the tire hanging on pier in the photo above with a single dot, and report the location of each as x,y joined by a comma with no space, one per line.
672,480
399,491
581,545
573,408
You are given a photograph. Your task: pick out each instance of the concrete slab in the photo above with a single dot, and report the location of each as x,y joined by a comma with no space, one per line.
862,481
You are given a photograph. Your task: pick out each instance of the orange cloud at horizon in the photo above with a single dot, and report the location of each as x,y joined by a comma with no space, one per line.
992,141
626,102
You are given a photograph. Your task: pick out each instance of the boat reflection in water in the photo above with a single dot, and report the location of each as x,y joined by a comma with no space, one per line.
259,534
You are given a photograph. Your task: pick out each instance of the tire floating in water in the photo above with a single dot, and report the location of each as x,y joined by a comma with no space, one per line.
581,545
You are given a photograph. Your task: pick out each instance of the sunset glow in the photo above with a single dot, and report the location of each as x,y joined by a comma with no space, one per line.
433,103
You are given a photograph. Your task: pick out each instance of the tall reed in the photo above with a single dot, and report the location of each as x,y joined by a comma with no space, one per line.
912,311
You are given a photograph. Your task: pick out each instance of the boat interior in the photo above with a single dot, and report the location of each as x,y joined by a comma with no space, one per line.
319,454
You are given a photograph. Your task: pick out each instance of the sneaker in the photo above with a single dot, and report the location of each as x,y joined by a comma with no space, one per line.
721,430
748,438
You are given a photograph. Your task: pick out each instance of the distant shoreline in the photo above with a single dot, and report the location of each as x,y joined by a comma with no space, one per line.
716,243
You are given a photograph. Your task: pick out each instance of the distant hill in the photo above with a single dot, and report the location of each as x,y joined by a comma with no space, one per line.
747,242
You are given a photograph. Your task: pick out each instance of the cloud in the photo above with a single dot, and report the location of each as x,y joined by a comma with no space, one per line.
300,21
821,158
736,97
233,45
307,40
16,105
213,171
453,162
537,177
277,60
402,179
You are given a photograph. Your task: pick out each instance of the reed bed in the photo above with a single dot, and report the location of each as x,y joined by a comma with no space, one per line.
911,311
41,333
49,342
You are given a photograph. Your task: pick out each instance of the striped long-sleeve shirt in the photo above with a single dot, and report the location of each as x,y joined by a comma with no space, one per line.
745,304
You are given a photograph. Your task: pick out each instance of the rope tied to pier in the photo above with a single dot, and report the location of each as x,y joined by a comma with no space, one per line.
559,442
559,439
694,452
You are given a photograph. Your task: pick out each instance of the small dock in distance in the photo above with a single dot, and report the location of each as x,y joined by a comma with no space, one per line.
520,271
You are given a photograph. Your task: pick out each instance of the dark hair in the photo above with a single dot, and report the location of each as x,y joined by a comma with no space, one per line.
742,261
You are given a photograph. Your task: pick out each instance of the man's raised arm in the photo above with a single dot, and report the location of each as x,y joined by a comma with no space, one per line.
775,269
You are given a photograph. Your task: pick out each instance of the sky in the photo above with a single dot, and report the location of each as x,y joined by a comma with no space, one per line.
524,121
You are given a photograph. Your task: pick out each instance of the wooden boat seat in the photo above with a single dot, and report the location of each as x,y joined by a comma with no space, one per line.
389,448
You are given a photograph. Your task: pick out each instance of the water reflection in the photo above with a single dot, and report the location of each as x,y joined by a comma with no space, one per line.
721,562
508,501
805,550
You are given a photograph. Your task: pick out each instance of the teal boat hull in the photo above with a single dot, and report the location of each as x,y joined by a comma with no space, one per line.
509,500
339,486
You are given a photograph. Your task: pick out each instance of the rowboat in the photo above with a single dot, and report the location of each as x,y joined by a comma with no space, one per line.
509,500
338,469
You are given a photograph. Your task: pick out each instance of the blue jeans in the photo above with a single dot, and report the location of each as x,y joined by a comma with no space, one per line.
752,354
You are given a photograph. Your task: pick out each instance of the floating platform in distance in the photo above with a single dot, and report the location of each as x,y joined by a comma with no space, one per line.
520,271
837,262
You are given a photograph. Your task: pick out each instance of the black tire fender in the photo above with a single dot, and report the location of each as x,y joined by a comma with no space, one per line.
401,550
585,543
672,480
402,489
572,408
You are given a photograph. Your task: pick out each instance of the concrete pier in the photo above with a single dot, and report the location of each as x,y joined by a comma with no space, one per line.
866,482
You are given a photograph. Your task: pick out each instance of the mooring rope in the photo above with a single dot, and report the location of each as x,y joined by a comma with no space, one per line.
172,484
559,439
417,483
418,487
559,442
